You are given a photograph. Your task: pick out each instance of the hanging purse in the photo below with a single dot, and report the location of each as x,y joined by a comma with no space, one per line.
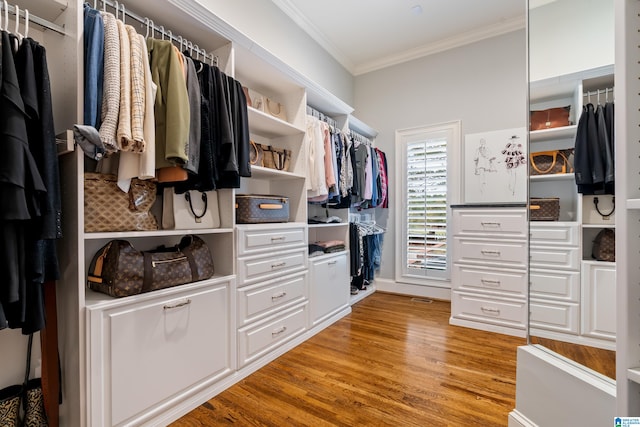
551,162
29,394
107,208
119,270
191,210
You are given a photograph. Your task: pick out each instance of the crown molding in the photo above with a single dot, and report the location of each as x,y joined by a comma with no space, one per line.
459,40
301,20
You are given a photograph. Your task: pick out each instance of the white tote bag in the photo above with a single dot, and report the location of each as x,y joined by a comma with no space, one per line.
190,210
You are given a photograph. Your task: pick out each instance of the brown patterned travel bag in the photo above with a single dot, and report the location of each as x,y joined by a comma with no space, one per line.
119,270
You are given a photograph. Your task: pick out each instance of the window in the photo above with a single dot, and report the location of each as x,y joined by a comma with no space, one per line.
428,185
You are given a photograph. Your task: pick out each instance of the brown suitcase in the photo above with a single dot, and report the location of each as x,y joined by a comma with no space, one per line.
549,118
257,208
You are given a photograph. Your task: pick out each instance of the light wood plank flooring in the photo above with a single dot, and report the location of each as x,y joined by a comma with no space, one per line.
393,361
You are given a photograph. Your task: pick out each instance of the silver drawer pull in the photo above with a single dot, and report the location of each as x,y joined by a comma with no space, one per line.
490,282
178,305
490,310
273,239
332,262
278,265
488,252
278,296
490,224
278,332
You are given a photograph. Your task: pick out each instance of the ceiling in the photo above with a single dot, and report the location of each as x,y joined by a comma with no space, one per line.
366,35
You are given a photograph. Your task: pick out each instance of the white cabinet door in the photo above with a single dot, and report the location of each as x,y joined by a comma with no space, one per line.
145,352
329,286
599,300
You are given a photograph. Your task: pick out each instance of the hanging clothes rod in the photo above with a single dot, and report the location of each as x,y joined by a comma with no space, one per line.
597,93
35,19
321,116
360,138
121,9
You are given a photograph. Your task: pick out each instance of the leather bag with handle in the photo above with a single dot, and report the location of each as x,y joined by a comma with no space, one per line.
276,109
549,118
27,397
276,158
120,270
107,208
551,162
190,210
256,154
604,245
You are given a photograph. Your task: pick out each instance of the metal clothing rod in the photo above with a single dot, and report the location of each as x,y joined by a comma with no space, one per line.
321,116
360,138
597,93
36,19
121,9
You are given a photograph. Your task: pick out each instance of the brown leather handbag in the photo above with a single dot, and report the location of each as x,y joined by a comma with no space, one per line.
107,208
551,162
549,118
276,158
604,245
119,270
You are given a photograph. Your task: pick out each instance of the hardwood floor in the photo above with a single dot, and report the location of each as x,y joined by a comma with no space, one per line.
597,359
393,361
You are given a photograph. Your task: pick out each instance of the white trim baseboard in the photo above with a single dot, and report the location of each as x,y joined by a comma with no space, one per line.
439,292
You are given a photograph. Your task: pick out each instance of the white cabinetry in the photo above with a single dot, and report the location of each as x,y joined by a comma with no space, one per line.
148,359
489,277
566,283
329,286
161,347
271,279
627,216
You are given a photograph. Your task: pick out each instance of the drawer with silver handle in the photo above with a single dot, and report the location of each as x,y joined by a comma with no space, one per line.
502,282
507,312
265,267
269,237
506,253
510,223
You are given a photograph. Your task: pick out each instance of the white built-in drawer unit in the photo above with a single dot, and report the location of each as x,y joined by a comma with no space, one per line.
489,275
502,281
263,336
554,316
270,238
508,312
503,222
505,253
268,266
265,298
161,344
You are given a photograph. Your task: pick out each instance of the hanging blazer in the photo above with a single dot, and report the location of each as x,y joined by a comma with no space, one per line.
588,163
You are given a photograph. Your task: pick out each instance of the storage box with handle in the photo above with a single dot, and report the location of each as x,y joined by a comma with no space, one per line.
257,208
544,209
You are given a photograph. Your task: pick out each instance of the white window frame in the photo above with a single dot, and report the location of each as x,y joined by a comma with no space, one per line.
454,179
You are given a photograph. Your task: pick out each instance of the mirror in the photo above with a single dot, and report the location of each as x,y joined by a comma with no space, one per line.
571,294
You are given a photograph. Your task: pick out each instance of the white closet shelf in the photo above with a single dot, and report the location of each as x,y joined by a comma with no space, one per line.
598,226
633,374
331,225
133,234
268,126
553,177
553,133
95,299
261,172
316,258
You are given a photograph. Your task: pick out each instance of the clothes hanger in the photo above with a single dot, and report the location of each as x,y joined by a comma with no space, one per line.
161,29
124,13
147,21
5,25
26,23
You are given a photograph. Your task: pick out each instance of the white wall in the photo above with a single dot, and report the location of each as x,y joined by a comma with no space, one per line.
568,36
483,84
263,22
